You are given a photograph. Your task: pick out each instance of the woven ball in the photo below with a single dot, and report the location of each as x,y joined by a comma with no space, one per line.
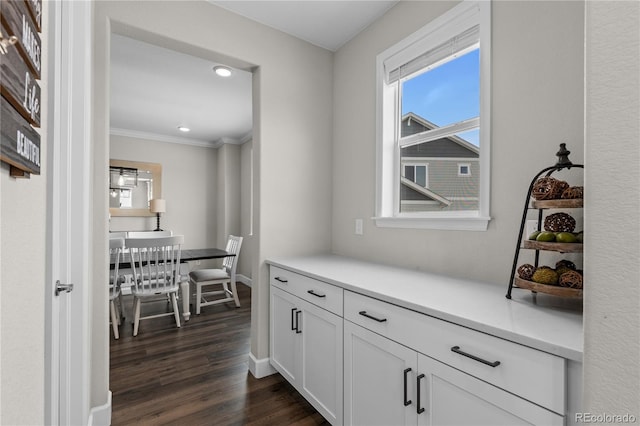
573,192
543,188
567,263
525,271
559,222
548,188
545,275
571,279
562,269
559,189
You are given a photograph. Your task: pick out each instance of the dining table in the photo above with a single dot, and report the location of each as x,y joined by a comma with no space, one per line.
186,255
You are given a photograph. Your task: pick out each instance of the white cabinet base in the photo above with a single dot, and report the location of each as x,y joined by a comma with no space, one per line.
306,348
374,379
451,397
399,356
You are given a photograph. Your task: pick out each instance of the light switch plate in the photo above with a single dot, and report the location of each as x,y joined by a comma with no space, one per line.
358,229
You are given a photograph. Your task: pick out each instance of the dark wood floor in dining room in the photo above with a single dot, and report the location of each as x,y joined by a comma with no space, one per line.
198,374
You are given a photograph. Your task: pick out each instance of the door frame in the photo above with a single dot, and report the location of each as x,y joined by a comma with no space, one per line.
67,392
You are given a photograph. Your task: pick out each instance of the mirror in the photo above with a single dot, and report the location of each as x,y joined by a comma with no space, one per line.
132,184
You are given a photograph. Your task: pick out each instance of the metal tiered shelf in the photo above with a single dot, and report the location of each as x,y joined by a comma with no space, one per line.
524,244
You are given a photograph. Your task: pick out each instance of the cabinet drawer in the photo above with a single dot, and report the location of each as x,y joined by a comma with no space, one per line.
529,373
319,293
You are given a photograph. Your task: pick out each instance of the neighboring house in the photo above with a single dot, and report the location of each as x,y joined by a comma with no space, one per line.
442,174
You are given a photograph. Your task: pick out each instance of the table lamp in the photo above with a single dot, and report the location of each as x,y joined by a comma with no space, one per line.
158,206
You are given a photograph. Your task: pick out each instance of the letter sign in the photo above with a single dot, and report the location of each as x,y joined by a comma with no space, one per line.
20,68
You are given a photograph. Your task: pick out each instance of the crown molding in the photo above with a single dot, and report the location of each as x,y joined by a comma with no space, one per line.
178,140
162,138
248,137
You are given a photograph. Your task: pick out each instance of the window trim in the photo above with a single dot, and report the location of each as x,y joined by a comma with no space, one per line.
387,208
414,164
468,166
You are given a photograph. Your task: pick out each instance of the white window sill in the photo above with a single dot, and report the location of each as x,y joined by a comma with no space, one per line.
475,223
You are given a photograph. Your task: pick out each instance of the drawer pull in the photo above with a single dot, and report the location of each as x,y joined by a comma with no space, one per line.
419,409
293,314
298,331
457,350
406,402
316,294
365,314
282,280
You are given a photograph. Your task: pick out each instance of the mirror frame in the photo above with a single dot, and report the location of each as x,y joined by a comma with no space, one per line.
156,171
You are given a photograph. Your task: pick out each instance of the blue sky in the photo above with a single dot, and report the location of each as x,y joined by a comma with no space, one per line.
446,94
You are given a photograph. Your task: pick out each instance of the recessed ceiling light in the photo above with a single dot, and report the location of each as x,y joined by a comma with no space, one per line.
222,71
184,129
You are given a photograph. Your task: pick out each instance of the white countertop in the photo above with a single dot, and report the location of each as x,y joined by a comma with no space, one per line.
549,323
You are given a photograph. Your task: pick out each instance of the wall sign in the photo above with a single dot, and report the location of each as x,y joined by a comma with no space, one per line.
20,68
18,85
17,20
19,141
35,9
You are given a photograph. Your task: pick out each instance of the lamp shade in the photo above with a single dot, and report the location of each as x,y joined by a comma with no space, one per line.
158,205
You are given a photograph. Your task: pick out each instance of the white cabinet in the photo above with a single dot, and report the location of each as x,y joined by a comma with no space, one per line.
387,383
360,359
285,344
307,347
452,397
379,379
432,368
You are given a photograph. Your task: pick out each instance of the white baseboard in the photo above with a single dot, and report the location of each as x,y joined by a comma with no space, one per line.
101,416
243,279
260,368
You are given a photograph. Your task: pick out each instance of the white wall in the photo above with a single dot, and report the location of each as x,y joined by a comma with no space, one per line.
537,103
246,209
292,125
612,252
228,193
22,301
189,185
22,278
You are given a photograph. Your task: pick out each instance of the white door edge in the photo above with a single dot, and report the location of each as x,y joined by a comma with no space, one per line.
68,139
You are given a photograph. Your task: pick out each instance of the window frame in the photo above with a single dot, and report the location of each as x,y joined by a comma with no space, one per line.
415,164
388,161
468,166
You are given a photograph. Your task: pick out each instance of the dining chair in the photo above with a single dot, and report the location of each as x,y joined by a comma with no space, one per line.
116,247
155,263
225,276
125,273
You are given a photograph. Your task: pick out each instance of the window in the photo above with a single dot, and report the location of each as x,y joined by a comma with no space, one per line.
433,108
416,173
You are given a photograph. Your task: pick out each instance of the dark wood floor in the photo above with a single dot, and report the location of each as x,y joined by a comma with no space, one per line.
198,374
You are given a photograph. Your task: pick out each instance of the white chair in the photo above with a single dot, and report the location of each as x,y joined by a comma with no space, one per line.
116,247
225,277
155,263
125,273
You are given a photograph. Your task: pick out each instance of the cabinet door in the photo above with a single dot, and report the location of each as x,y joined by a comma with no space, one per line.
321,352
451,397
285,346
378,375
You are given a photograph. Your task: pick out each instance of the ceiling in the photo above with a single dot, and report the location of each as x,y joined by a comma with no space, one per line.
328,24
155,90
